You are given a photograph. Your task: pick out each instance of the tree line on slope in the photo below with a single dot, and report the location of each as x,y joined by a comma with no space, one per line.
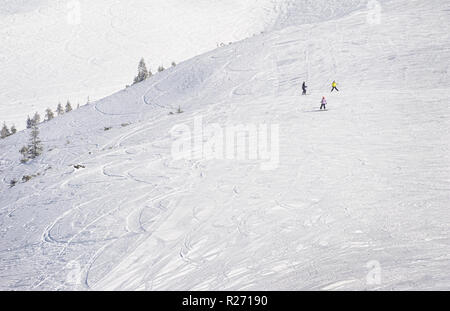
49,115
143,74
34,147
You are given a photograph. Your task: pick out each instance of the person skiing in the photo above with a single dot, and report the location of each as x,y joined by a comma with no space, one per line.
304,87
323,103
334,85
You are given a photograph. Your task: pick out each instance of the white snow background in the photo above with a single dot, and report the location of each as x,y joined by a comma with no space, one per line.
360,198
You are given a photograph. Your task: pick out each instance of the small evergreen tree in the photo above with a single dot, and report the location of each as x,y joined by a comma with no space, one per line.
161,68
174,64
59,109
5,131
49,114
142,72
13,129
36,119
68,107
29,122
24,152
35,146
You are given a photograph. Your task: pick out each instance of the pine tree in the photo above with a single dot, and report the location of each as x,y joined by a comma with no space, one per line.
142,72
13,129
68,107
36,119
174,64
59,109
161,68
29,122
24,152
5,131
49,114
34,147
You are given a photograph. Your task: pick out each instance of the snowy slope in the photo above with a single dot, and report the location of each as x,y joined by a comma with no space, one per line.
51,51
365,182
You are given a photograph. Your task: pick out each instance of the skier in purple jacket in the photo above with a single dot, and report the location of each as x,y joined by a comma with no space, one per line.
324,103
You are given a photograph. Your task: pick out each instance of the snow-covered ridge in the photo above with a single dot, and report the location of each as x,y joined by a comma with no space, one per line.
75,49
364,184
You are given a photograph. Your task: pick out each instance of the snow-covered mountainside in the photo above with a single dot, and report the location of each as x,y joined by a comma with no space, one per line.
357,196
52,51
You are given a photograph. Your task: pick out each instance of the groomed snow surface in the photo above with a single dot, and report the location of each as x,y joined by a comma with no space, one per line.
359,200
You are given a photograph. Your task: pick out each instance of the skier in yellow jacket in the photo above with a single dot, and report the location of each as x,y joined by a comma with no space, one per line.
334,85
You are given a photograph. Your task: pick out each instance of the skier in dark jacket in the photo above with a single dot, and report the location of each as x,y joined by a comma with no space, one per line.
304,87
323,103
